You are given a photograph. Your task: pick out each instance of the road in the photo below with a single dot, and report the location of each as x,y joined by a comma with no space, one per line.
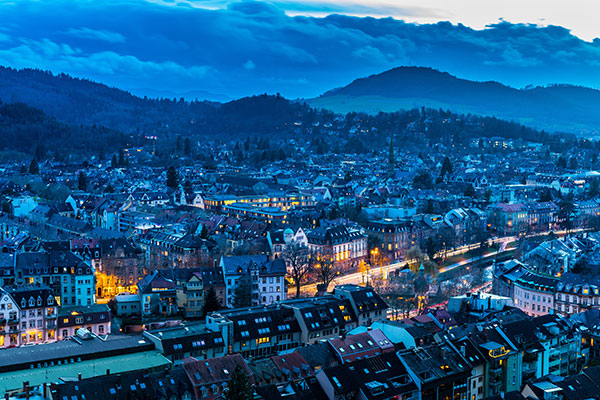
359,278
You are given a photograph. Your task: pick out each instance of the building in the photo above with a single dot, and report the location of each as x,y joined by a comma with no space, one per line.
188,340
94,318
367,305
508,219
70,277
267,278
157,294
257,332
36,315
343,245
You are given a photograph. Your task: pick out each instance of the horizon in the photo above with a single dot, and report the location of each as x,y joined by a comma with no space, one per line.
235,49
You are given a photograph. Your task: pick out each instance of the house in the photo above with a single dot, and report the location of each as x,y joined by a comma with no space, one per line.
95,318
36,314
267,278
344,245
187,340
209,377
157,295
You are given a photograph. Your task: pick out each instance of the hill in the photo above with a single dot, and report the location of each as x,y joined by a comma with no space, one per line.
555,108
82,102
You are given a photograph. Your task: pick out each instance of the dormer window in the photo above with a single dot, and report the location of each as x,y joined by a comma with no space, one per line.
39,301
23,303
50,300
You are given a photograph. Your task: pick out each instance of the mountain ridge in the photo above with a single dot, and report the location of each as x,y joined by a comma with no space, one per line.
554,107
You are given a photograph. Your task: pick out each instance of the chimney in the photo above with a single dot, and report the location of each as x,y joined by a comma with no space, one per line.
79,376
443,352
107,371
463,350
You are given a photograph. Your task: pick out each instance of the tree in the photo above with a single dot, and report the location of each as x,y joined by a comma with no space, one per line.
187,147
34,168
566,214
121,158
391,157
82,181
188,188
431,248
446,167
573,163
415,255
546,195
114,163
423,180
470,191
239,387
327,270
295,255
172,180
204,234
242,296
561,163
211,302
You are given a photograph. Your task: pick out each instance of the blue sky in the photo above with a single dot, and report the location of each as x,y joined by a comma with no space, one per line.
297,48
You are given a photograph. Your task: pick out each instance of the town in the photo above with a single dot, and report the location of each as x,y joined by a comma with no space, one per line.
436,267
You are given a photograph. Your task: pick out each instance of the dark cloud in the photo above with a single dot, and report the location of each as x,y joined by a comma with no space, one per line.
253,47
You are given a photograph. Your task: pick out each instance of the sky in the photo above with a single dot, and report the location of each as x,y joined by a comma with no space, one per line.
228,49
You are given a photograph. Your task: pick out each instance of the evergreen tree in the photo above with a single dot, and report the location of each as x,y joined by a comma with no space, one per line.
561,163
121,158
82,181
446,167
114,163
211,302
34,168
391,157
242,296
188,187
239,387
470,191
172,180
187,147
204,232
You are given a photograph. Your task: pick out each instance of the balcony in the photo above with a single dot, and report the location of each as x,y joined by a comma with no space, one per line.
12,321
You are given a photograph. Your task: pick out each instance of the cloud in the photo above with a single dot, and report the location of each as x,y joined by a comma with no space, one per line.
216,46
87,33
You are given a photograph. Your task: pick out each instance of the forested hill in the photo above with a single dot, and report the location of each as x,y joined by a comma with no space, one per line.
554,108
82,102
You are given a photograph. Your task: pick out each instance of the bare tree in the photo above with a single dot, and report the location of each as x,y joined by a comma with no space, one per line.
297,261
327,269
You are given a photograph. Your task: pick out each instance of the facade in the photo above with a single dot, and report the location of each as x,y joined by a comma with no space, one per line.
95,319
344,245
173,250
267,278
508,219
36,315
70,277
157,295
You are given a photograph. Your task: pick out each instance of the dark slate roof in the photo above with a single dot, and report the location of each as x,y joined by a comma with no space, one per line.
436,363
380,377
92,314
318,355
25,295
258,322
23,357
333,235
137,384
214,370
187,338
154,280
